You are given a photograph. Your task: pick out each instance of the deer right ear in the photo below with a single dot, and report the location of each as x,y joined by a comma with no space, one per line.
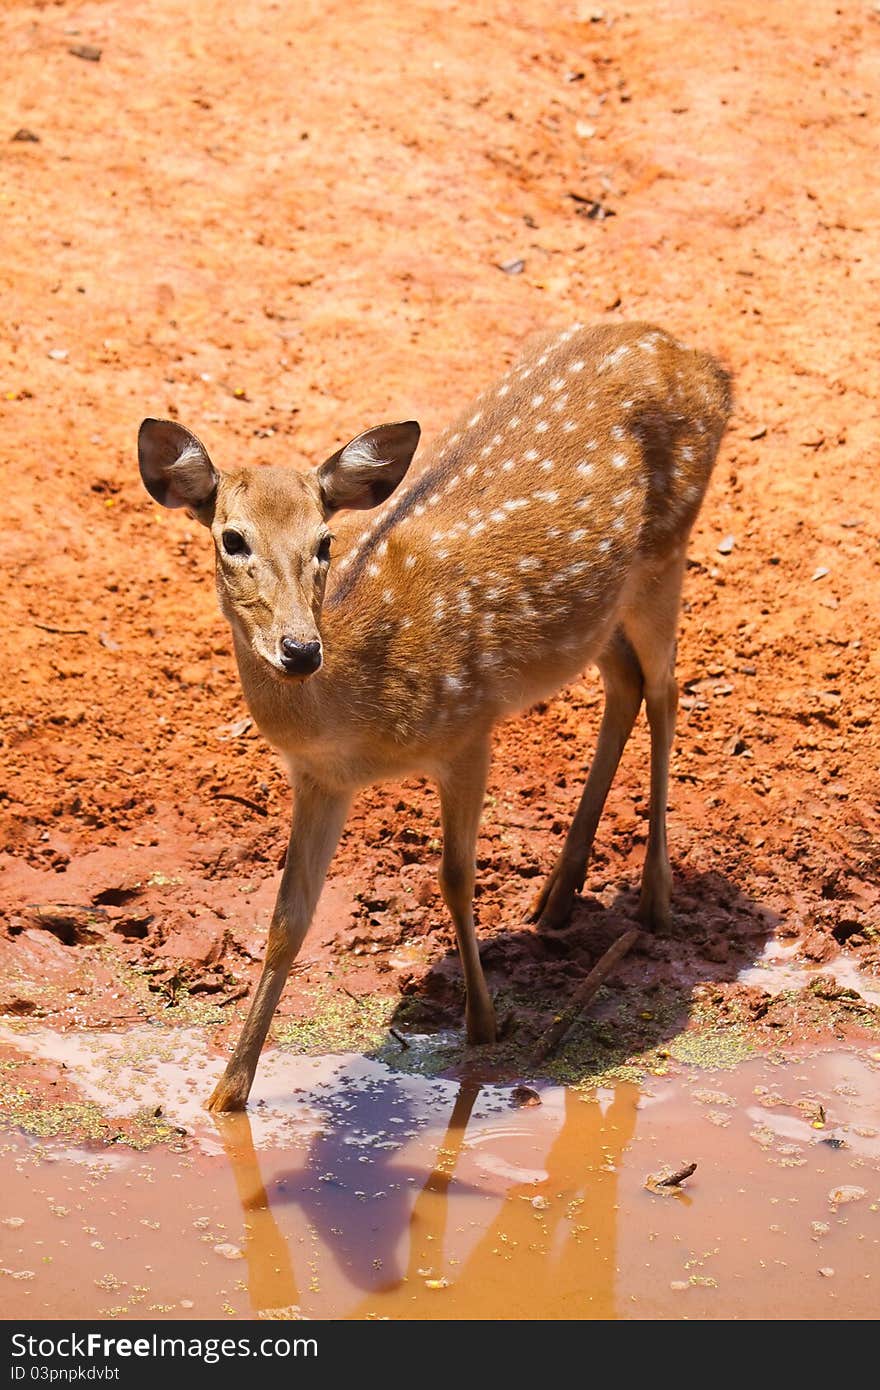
368,469
175,466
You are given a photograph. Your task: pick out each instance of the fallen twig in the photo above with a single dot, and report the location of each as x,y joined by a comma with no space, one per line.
63,631
399,1036
242,801
669,1185
677,1178
597,976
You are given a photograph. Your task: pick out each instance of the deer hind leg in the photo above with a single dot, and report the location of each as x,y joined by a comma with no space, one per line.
462,786
318,818
650,623
622,678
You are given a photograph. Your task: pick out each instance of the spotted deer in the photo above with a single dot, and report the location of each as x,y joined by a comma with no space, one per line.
546,529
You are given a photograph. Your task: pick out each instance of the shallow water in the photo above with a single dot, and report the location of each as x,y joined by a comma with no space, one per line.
356,1191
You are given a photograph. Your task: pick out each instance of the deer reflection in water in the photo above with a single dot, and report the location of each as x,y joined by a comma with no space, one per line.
499,1240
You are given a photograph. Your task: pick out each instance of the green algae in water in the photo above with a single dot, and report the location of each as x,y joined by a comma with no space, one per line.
32,1113
339,1023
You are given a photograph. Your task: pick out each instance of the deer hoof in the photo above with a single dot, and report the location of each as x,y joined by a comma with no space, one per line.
654,915
228,1096
482,1029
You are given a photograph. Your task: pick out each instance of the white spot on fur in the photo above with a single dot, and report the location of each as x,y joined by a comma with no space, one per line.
604,546
612,358
542,427
372,570
548,496
585,469
528,562
410,562
619,460
470,470
513,422
576,535
388,596
570,426
576,366
503,390
475,419
536,401
557,383
513,504
547,465
507,465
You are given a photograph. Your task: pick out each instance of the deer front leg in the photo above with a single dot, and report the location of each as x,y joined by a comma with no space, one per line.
318,818
462,786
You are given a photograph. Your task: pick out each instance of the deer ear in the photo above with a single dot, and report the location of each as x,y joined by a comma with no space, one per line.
175,466
368,469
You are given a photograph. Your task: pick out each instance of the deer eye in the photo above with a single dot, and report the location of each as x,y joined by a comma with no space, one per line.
322,554
234,543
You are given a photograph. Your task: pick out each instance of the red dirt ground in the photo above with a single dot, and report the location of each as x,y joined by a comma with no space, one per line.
284,223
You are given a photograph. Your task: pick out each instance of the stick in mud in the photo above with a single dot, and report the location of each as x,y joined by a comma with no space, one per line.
677,1178
597,976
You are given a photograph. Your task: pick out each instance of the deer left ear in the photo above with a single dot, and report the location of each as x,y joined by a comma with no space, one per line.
368,469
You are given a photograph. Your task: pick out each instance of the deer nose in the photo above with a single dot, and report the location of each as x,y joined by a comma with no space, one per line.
300,658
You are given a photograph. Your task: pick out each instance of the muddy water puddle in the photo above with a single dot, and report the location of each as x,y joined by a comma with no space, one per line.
355,1191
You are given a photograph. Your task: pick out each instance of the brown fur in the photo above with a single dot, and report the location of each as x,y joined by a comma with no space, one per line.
545,529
